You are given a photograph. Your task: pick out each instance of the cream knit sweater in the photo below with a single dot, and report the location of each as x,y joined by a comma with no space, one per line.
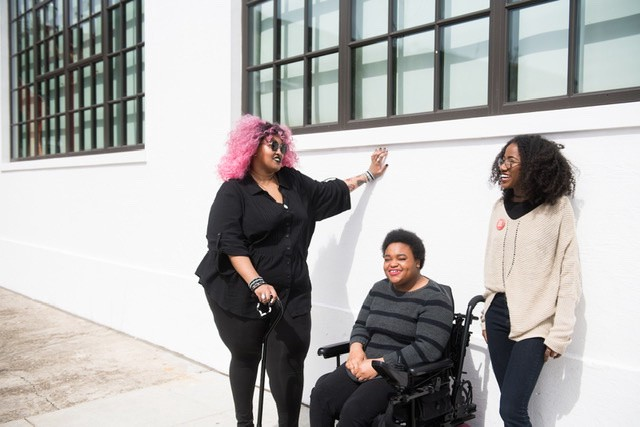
534,260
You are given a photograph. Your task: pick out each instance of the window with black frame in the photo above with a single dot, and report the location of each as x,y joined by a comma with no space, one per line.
77,77
330,64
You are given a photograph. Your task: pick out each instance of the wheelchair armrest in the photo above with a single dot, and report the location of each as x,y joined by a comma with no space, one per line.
333,350
404,379
431,367
394,376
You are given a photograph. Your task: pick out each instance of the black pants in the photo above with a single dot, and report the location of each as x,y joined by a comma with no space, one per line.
516,364
287,348
337,397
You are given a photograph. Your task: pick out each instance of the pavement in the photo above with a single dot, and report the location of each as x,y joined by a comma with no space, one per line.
59,370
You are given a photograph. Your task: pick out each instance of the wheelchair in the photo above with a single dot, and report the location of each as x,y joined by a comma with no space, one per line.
433,395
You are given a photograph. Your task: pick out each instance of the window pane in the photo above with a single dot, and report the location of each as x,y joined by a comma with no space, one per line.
99,82
116,77
292,94
415,73
132,73
324,89
63,135
116,30
49,136
538,51
52,97
62,91
261,33
59,51
261,90
29,29
131,24
84,10
87,125
116,125
58,14
97,36
43,105
325,23
15,36
370,18
410,13
76,82
15,116
100,127
88,85
452,8
291,28
52,60
28,66
465,65
76,132
85,37
609,45
132,122
370,81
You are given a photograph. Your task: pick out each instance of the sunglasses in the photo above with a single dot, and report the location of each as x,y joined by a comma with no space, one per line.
275,146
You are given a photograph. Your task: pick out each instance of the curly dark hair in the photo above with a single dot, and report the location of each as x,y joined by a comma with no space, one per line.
545,174
410,239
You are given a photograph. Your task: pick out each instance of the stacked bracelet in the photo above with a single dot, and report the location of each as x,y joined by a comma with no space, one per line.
369,176
256,283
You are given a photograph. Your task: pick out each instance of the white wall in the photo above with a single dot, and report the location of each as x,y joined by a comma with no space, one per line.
116,238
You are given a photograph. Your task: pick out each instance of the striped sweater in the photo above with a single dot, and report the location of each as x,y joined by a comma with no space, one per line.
406,329
534,260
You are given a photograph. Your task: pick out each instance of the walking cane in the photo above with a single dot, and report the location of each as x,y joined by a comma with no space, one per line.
263,368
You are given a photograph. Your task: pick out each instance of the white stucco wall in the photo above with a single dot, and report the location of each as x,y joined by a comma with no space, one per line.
116,238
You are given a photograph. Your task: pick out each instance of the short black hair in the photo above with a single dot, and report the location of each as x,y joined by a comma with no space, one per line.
410,239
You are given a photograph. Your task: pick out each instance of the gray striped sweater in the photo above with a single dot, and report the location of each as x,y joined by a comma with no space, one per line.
406,329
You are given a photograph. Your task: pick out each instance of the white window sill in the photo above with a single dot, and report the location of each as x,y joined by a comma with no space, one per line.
78,161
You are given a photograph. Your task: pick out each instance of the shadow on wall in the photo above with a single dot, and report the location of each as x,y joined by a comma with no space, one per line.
479,377
558,388
330,283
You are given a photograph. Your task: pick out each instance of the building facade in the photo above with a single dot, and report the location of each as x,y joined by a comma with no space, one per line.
114,114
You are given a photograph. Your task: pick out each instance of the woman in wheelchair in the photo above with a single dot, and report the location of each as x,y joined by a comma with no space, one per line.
405,321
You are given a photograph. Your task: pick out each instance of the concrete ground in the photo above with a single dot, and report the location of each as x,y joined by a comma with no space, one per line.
60,370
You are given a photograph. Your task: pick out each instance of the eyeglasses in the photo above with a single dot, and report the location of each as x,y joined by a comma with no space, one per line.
509,163
275,146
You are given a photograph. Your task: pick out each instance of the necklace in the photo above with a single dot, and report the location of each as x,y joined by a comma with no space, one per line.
264,183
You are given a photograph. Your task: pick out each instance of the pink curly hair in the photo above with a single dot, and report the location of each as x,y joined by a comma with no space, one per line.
244,141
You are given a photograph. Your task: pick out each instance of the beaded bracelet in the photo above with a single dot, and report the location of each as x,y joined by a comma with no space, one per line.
256,283
369,176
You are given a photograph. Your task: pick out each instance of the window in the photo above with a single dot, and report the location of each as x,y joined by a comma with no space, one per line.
330,64
77,69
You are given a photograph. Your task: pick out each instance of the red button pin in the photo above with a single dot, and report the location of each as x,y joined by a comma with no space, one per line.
501,223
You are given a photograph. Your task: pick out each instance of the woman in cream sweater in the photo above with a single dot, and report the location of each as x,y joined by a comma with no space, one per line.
532,269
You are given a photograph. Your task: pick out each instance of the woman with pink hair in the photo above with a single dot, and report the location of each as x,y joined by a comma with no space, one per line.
260,227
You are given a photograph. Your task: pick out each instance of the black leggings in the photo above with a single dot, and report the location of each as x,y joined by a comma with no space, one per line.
287,348
337,397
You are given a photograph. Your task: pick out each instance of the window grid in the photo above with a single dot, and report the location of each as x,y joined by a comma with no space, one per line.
63,89
497,68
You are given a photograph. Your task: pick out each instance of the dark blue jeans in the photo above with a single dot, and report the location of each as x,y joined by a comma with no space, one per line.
516,364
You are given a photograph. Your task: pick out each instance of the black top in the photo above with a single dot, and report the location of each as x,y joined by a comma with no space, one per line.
246,220
517,210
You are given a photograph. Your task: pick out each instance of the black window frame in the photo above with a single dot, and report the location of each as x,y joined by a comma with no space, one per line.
75,144
497,97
